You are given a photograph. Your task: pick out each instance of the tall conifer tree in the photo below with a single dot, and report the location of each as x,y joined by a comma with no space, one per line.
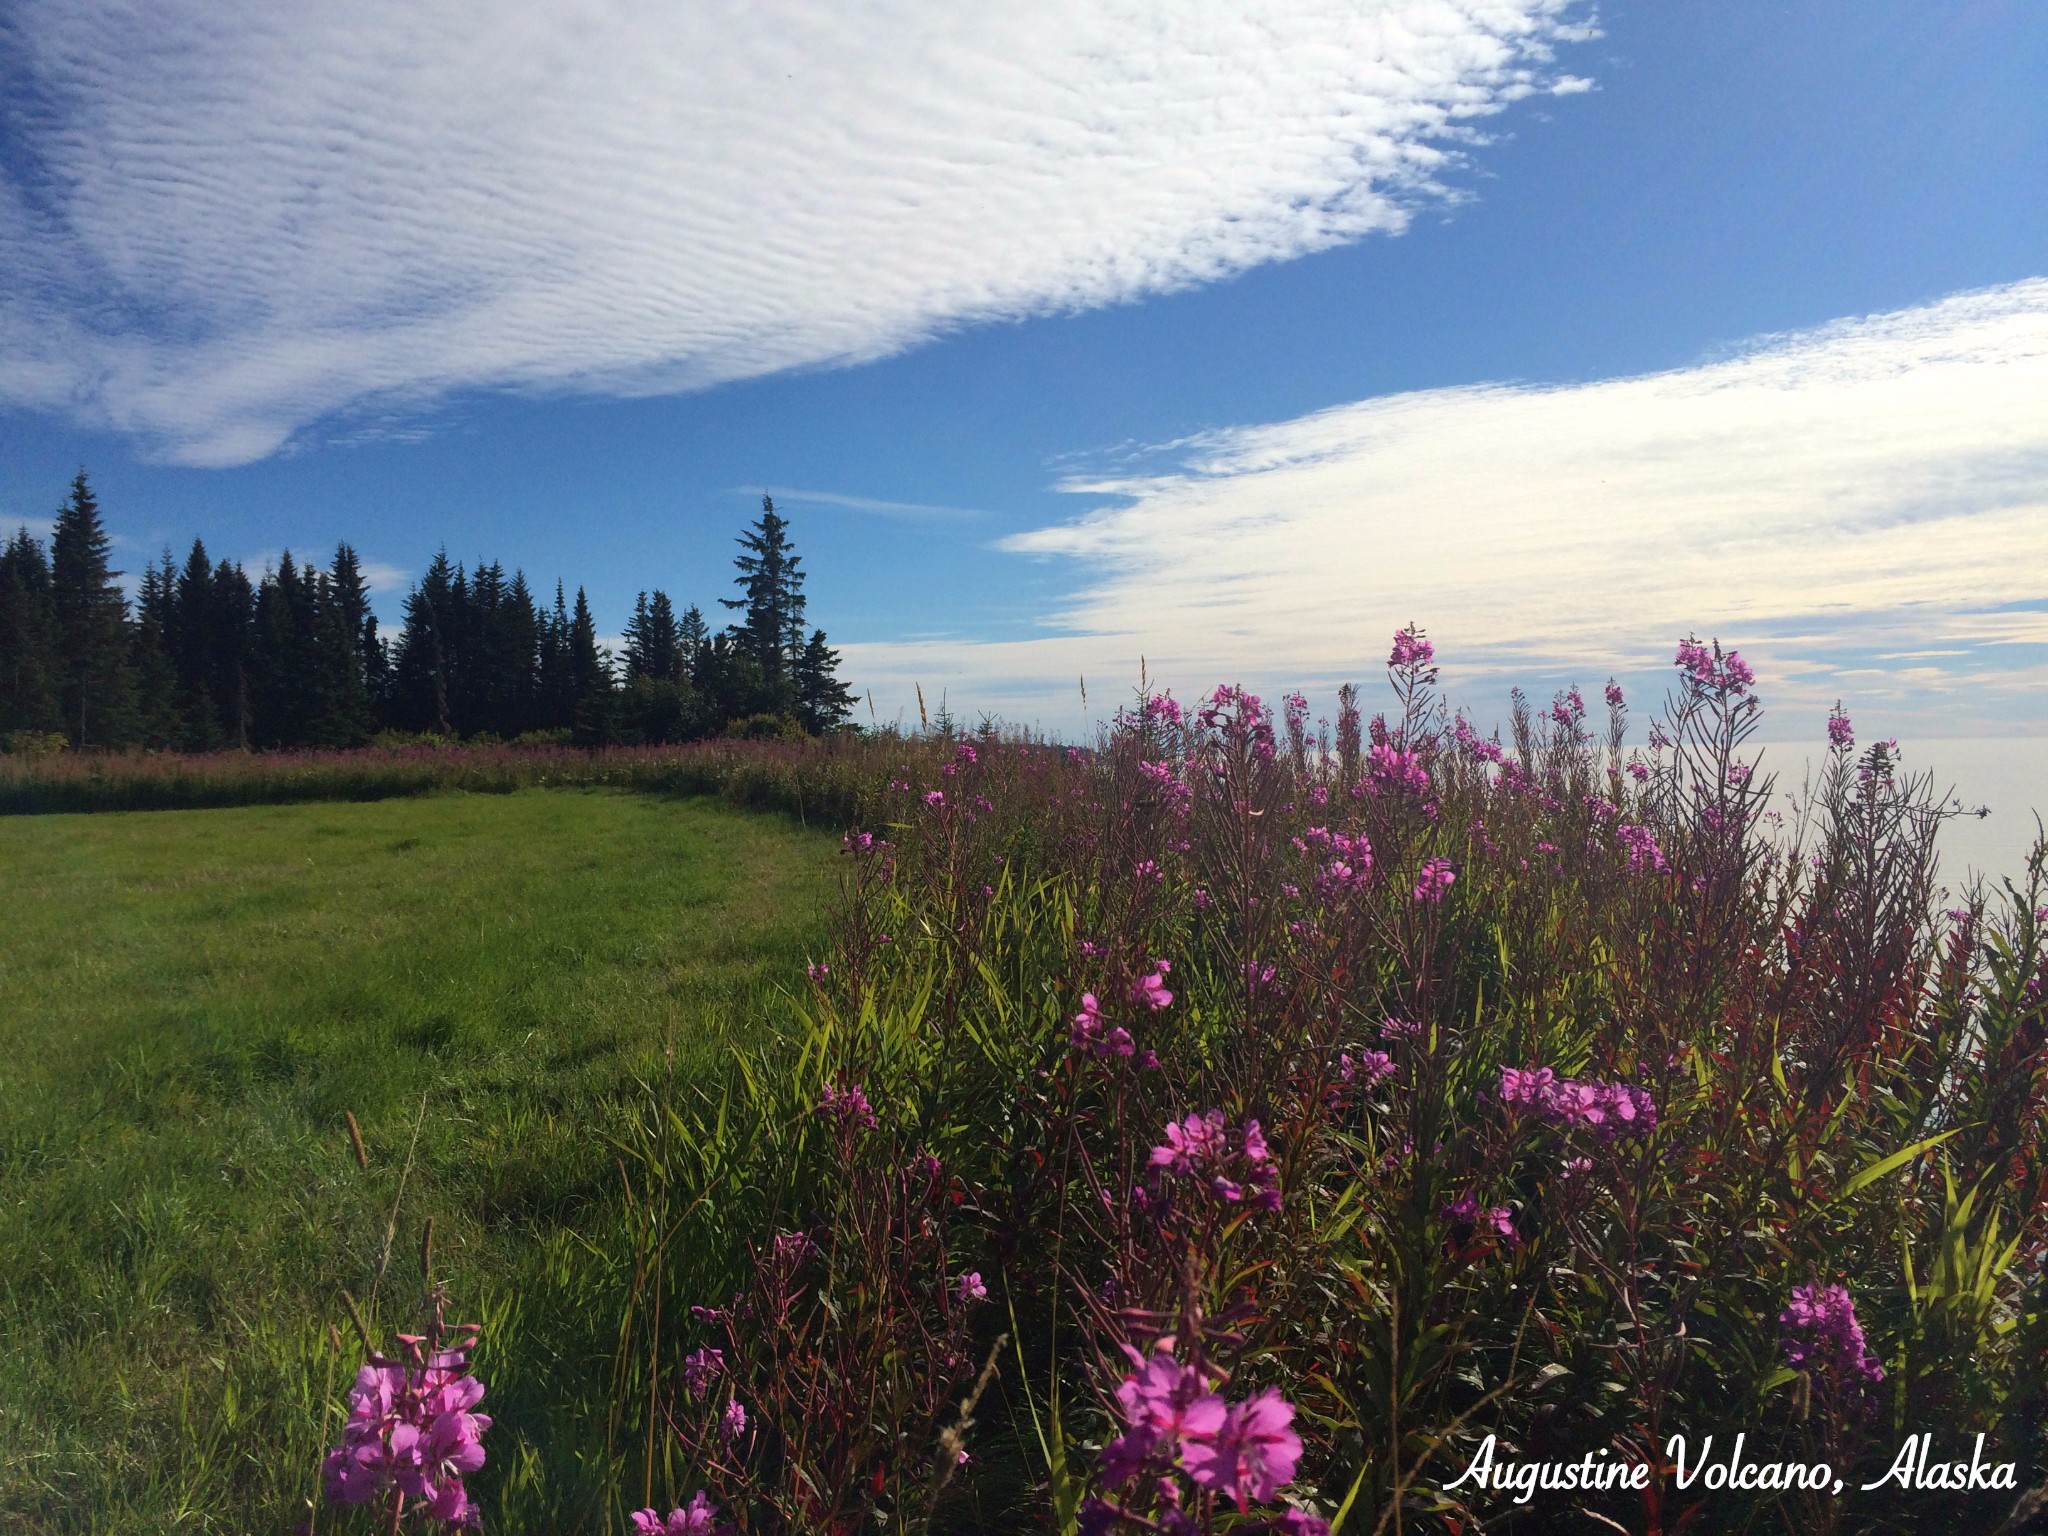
770,631
28,639
96,688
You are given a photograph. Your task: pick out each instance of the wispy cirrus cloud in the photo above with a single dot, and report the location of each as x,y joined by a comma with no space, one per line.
913,511
1863,507
220,223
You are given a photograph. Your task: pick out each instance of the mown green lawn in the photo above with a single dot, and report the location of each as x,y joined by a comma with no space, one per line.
190,1004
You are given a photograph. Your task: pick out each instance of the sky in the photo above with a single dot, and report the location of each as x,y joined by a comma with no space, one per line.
1079,338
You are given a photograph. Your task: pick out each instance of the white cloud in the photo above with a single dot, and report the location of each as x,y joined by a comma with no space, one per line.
225,221
1827,500
915,511
379,577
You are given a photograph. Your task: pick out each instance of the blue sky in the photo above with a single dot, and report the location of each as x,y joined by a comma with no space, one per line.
1085,337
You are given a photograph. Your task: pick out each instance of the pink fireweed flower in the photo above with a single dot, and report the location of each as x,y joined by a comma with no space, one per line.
1609,1110
1150,991
411,1430
1088,1022
935,798
1410,649
967,754
1722,672
1841,735
1527,1088
733,1422
1821,1333
1465,1214
1434,878
848,1108
1369,1067
1392,771
1191,1143
1640,843
1166,1404
818,971
1639,772
702,1368
1251,1455
698,1518
1399,1029
1200,1147
1614,698
970,1287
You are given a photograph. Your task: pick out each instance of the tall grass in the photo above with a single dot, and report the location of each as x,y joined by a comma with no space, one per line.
1393,1089
828,780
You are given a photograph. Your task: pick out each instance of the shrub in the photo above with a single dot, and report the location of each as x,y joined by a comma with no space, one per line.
1318,1120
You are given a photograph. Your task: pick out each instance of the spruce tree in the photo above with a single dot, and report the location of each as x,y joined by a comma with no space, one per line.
595,720
28,639
159,721
823,701
230,644
353,594
769,634
339,713
95,686
555,707
421,663
192,635
653,640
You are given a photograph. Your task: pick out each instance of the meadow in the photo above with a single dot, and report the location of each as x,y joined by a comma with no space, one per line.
1243,1123
193,1003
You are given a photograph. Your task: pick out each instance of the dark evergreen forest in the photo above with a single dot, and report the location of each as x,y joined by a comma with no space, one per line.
206,659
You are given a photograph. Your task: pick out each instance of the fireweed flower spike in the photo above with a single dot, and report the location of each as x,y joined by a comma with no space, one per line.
847,1108
1252,1454
1841,735
699,1518
1433,880
701,1369
411,1432
1821,1334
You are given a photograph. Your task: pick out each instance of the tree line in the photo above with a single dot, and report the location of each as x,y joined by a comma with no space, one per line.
206,659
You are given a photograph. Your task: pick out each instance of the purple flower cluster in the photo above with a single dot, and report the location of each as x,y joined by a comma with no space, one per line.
1091,1038
1246,1451
1150,991
699,1518
847,1108
1712,669
1476,747
411,1432
1841,734
1392,771
1640,843
1822,1334
1200,1146
1368,1067
701,1368
1433,880
1410,649
1465,1212
1609,1109
1242,717
1349,859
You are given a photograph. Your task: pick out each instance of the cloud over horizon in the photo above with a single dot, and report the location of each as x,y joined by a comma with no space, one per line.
221,224
1863,508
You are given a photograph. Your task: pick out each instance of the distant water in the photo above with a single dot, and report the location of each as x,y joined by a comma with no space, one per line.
2008,775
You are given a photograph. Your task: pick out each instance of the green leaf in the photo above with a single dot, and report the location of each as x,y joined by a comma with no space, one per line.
1885,1165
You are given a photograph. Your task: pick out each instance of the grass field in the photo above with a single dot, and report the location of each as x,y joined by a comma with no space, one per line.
191,1002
